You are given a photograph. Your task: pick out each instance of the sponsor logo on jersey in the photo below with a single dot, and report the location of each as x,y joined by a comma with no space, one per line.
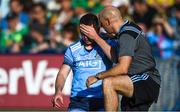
89,64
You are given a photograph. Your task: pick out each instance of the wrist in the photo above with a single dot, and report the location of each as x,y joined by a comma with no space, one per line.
165,23
58,91
96,38
97,76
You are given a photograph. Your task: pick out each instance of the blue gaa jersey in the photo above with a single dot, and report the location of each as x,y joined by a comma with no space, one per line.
84,64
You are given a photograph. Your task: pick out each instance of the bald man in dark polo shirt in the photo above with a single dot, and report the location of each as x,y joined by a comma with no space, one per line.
134,76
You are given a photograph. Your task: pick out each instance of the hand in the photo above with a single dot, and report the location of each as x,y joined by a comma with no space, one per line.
160,20
89,31
91,80
57,100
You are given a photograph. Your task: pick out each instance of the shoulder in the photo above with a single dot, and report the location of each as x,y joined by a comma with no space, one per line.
75,46
72,49
130,29
109,39
104,36
126,36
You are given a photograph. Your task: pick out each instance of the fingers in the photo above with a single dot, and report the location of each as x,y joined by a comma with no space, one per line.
57,105
84,29
52,100
87,84
57,102
61,100
85,32
85,26
89,31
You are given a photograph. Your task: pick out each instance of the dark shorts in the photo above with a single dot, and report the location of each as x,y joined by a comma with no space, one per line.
86,104
146,91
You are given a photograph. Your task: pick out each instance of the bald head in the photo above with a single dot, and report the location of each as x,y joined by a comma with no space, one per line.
110,12
110,19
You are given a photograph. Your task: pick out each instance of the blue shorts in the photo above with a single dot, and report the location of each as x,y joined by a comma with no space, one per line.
86,104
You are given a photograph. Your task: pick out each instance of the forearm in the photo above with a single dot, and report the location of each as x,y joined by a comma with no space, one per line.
168,29
60,80
119,69
115,71
61,77
107,49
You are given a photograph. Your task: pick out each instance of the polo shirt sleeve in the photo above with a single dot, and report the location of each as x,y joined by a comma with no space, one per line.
127,45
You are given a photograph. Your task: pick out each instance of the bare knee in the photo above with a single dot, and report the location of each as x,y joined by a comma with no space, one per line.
121,84
107,83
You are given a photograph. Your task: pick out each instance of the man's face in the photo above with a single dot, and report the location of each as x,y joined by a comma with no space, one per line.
16,7
13,23
38,13
107,26
139,7
66,4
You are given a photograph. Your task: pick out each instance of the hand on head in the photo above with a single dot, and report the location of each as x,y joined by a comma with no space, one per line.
89,31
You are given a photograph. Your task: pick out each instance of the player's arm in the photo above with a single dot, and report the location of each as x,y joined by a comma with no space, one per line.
107,49
59,84
61,77
127,47
119,69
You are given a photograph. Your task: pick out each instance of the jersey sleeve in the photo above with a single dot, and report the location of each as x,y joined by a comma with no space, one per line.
68,58
111,42
126,45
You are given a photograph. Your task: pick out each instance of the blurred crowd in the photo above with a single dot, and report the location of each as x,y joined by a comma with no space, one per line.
49,26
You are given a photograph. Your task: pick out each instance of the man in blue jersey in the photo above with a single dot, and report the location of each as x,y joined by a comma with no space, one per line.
84,58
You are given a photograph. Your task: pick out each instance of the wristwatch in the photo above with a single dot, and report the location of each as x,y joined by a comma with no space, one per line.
97,76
